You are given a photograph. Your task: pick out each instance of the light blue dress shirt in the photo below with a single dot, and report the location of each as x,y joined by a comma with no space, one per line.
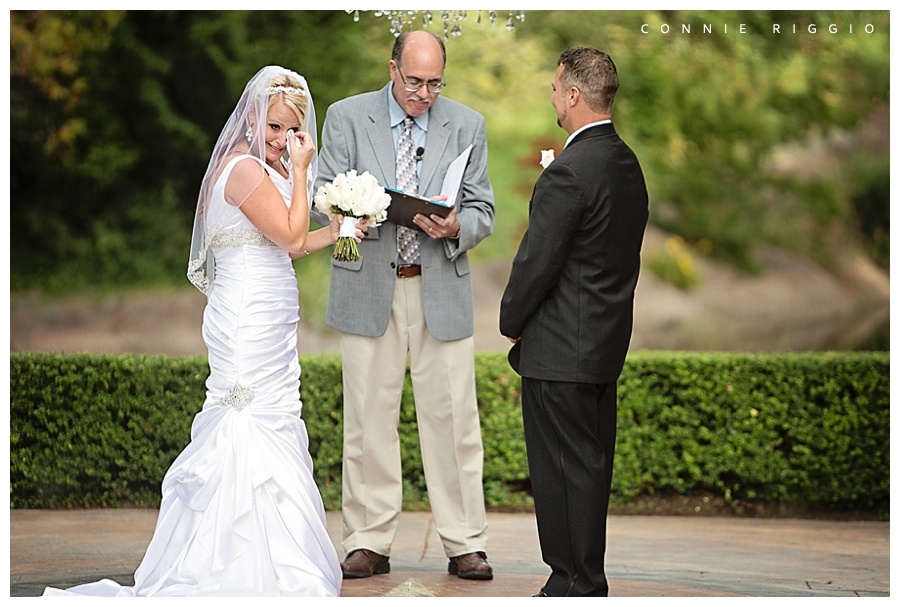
419,129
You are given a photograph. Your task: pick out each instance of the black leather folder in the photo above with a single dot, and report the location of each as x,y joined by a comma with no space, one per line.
404,207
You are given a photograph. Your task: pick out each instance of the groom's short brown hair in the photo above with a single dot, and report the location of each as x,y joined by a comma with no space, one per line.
593,73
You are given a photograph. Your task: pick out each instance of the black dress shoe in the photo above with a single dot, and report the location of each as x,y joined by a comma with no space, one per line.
365,563
541,593
472,566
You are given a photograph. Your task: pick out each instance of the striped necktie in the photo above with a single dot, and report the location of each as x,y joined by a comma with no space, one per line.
408,181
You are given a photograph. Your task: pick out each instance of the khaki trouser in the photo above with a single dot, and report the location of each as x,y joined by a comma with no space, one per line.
443,378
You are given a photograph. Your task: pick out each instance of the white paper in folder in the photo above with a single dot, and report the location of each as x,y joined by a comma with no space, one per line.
453,178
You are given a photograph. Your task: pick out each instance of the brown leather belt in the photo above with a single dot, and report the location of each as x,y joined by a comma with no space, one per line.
408,271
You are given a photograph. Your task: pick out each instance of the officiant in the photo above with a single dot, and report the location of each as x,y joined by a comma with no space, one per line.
410,294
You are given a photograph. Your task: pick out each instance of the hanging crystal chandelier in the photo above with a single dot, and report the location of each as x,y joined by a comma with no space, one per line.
401,20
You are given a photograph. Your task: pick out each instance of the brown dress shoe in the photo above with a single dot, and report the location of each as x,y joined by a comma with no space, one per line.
472,566
364,563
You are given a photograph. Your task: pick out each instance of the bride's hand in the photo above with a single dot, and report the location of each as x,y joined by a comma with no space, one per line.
302,149
335,228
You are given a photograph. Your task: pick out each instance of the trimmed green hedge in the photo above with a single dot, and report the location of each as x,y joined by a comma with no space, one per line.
810,429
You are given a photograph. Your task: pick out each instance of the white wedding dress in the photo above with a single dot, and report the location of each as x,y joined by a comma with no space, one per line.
241,514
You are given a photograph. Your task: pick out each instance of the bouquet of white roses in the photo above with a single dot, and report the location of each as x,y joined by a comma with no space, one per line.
354,197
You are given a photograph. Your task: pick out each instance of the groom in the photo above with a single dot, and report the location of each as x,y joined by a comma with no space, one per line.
568,310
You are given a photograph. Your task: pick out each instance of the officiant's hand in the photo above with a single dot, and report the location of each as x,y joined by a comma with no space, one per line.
437,226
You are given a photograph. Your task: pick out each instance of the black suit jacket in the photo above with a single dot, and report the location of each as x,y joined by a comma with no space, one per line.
570,296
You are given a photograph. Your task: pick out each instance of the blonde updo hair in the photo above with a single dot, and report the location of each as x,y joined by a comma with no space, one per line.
297,101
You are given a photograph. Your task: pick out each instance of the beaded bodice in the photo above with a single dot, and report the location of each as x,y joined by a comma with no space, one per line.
229,228
239,237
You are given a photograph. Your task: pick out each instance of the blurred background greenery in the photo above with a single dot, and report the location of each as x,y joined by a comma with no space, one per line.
113,115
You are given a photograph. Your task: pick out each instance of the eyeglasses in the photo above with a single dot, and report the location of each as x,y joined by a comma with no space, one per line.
414,84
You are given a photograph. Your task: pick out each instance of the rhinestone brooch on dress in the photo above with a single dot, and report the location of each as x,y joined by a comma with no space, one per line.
239,398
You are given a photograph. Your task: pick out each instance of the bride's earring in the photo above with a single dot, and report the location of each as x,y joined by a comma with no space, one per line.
249,133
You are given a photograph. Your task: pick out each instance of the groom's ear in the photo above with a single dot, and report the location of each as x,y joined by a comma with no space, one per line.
573,95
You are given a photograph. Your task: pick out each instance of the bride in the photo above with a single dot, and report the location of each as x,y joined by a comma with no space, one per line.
240,512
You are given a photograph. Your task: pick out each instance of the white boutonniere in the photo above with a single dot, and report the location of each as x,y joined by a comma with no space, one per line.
547,156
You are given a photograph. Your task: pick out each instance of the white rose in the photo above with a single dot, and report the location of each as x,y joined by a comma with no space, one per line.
365,204
323,199
343,192
373,199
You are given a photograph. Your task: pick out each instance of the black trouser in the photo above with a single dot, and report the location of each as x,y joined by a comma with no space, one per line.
570,436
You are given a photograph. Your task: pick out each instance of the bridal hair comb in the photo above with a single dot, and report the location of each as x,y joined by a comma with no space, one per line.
285,89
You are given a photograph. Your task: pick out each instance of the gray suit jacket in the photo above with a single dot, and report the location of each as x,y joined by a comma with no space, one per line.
357,135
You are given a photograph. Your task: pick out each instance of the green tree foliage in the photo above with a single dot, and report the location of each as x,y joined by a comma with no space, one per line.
113,115
707,111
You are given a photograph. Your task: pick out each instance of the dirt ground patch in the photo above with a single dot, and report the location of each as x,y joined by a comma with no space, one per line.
792,305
